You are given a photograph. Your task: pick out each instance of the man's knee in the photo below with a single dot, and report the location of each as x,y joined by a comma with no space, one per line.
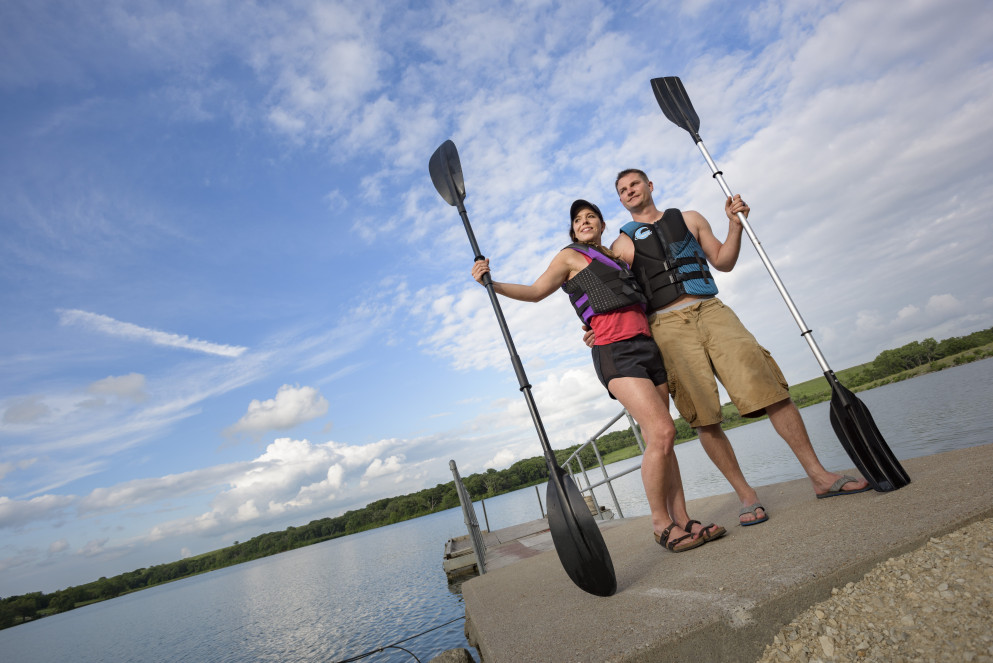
710,432
781,406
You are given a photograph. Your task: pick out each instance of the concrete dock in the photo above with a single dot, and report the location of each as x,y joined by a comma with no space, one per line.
725,600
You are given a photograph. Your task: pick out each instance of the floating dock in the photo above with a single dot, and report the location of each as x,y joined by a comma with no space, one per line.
504,546
727,599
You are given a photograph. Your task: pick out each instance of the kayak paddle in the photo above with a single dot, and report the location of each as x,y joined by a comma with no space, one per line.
850,418
578,541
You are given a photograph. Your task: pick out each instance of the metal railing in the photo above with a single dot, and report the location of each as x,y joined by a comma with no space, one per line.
607,479
471,524
469,513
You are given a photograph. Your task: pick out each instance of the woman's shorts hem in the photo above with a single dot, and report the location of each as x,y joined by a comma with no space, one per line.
636,357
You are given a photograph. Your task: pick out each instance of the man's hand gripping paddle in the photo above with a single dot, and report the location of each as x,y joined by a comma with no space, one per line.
851,420
577,538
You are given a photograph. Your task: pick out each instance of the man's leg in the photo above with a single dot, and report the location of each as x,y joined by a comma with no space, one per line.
684,341
785,418
718,448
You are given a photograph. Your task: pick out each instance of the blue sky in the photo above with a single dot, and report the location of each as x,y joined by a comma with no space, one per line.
231,300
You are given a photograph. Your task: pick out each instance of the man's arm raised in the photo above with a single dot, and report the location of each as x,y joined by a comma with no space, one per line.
722,255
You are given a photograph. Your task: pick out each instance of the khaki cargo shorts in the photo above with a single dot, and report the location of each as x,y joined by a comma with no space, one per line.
705,340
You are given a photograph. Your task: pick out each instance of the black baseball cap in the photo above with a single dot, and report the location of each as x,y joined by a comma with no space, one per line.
581,204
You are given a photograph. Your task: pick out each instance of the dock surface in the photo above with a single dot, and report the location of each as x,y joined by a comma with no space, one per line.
727,599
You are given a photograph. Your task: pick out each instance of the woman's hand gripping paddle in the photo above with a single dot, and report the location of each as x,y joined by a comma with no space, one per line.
850,418
577,538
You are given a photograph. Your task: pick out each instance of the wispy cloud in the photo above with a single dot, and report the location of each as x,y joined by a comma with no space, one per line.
107,325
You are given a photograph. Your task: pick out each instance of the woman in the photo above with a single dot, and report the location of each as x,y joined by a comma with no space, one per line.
605,295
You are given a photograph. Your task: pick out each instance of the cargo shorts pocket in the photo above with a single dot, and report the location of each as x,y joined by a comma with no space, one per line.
684,404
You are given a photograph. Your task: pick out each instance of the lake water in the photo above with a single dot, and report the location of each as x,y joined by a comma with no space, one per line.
338,599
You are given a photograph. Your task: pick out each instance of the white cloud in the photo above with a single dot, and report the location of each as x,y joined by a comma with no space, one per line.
19,513
94,548
908,311
8,467
107,325
380,467
139,492
290,407
26,411
291,476
58,546
503,459
326,66
944,305
131,387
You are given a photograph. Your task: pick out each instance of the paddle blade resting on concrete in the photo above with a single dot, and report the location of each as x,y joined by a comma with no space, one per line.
577,538
861,439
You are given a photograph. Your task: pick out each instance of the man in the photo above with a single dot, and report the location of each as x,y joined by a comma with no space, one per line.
700,337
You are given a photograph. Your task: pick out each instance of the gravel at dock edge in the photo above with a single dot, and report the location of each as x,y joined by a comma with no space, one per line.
931,604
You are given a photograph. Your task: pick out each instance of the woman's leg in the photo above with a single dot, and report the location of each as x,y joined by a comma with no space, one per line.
676,498
648,405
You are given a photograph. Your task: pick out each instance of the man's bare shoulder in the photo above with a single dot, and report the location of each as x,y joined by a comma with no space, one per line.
623,248
695,221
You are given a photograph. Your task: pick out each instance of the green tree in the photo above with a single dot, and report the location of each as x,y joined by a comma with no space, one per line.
494,481
62,601
7,617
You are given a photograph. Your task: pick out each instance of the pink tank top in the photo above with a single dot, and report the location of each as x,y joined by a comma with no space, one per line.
619,325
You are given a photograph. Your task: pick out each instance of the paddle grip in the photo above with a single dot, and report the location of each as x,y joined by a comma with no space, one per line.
522,379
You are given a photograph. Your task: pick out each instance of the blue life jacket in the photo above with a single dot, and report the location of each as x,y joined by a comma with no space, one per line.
668,261
603,285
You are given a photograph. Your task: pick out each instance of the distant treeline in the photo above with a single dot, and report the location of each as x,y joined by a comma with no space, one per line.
530,471
928,352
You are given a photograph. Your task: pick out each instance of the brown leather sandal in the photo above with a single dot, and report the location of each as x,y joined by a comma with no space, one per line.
673,546
708,534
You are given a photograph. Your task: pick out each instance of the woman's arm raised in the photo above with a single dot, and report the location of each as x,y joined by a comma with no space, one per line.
562,268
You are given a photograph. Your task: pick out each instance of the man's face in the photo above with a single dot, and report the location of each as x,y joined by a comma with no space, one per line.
633,191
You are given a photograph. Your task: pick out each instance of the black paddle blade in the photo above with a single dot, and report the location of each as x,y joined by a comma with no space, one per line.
861,439
676,105
446,173
577,538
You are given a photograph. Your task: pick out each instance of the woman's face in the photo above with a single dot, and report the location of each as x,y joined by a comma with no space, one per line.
587,226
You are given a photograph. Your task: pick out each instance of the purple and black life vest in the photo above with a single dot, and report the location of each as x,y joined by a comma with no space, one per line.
603,285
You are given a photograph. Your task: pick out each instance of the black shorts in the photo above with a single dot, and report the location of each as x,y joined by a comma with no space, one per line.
636,357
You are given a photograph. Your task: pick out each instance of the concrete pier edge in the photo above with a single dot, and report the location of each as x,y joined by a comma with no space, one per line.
726,600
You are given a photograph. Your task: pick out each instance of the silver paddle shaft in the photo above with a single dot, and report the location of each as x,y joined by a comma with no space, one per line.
805,331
